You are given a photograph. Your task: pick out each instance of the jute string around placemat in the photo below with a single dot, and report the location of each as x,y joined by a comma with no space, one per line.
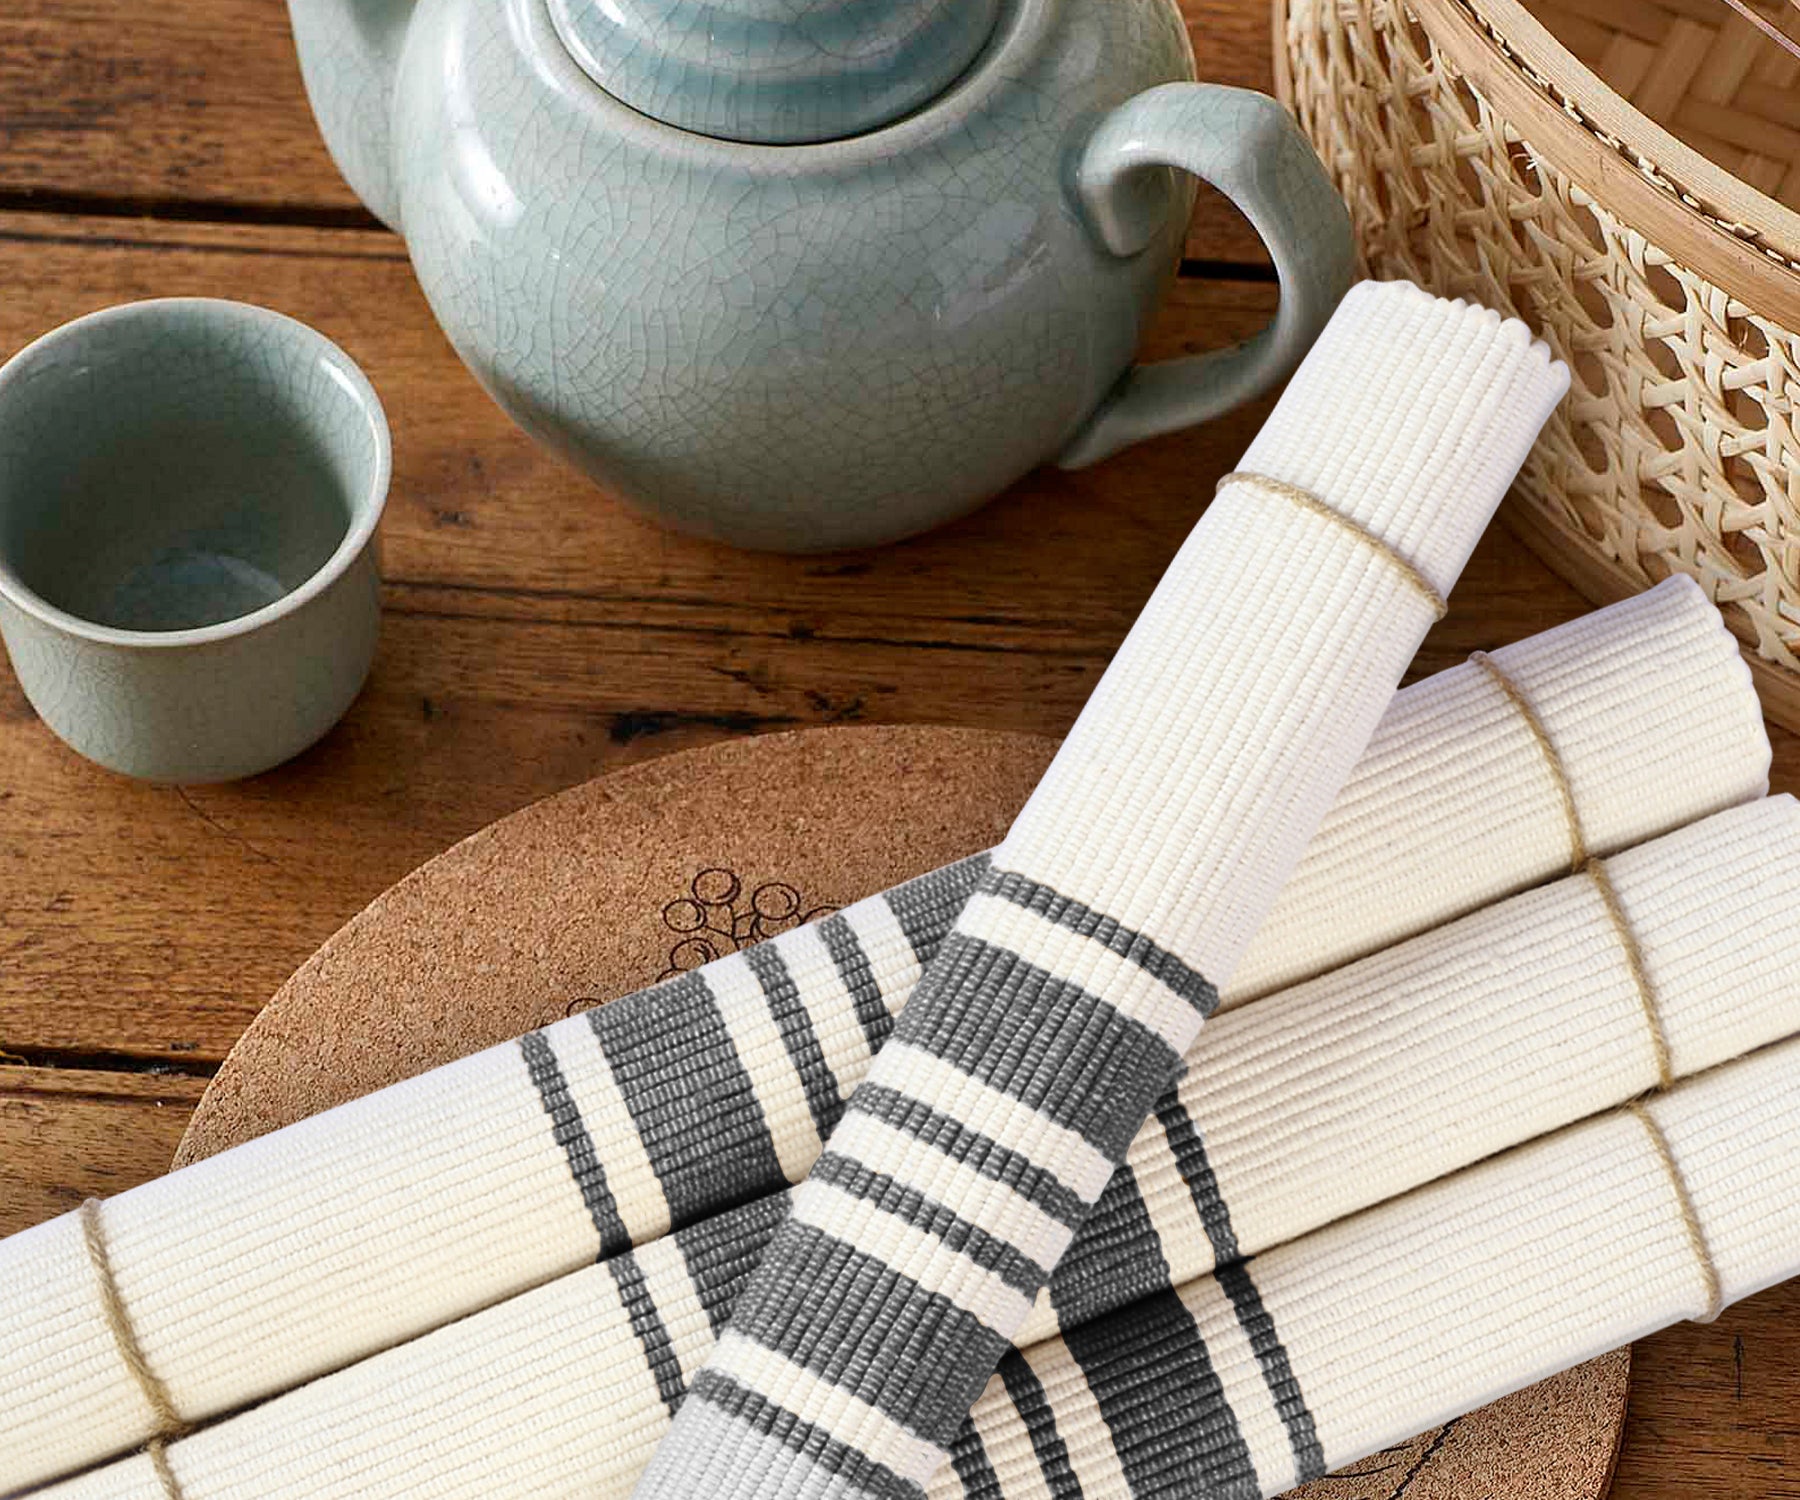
1640,976
169,1423
1308,501
1580,863
1559,773
1690,1219
1595,869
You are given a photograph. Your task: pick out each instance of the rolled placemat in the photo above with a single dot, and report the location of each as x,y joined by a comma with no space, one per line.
1511,1024
1077,974
1355,1087
253,1272
1407,1315
1583,735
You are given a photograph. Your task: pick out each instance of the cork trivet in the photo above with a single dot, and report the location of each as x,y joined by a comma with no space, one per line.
602,889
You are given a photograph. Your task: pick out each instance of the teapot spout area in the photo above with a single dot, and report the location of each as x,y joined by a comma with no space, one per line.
349,55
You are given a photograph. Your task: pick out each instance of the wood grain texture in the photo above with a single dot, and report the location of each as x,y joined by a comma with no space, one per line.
537,635
197,110
1715,1407
68,1134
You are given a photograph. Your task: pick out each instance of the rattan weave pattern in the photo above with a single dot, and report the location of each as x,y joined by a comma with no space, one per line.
1677,448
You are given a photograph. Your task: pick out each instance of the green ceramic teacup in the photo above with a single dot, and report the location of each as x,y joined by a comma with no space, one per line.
189,491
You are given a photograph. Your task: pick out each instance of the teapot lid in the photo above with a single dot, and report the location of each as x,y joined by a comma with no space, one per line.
777,72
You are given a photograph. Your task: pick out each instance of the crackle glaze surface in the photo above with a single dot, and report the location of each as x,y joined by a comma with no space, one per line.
796,347
776,71
188,496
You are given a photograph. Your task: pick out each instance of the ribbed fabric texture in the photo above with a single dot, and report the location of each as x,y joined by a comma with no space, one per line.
1507,1025
1076,976
1636,700
1415,1312
378,1221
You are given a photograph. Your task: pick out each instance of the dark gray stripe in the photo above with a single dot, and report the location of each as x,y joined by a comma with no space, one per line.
1017,1271
969,1458
1234,1276
980,1153
824,1097
927,906
1134,947
1048,1043
690,1098
793,1432
1033,1407
647,1324
846,951
853,1320
721,1253
1196,1171
578,1146
1173,1430
1116,1258
1278,1370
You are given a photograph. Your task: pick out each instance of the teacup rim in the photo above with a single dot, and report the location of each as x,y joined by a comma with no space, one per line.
357,536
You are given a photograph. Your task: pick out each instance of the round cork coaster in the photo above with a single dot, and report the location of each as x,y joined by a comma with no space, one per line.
663,866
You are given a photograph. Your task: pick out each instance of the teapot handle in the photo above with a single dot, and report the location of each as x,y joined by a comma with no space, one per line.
1248,146
349,54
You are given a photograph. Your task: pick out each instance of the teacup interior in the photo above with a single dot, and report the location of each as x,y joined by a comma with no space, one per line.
177,465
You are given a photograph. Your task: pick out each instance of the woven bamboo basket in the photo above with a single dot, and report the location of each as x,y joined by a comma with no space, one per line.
1514,155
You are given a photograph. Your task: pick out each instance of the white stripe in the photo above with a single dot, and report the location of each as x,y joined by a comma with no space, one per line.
1169,1202
888,949
847,1418
618,1147
1010,1450
1014,1124
1069,956
1078,1419
757,1040
678,1304
1246,1389
1040,1324
1002,1211
915,1254
828,1002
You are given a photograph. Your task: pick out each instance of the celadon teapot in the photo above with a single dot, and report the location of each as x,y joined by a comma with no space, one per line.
810,274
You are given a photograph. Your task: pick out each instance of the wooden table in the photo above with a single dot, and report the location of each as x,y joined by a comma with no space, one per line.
536,634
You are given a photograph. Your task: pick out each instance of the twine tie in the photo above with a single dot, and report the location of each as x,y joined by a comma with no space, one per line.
131,1353
1690,1220
1306,500
1640,978
1559,773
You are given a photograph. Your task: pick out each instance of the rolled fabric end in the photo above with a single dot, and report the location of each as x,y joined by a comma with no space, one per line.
1304,591
1574,743
1405,399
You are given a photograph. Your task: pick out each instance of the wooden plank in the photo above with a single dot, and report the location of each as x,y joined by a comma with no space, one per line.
1715,1407
196,104
197,109
69,1135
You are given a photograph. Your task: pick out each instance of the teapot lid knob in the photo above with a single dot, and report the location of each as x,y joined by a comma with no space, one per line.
776,72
